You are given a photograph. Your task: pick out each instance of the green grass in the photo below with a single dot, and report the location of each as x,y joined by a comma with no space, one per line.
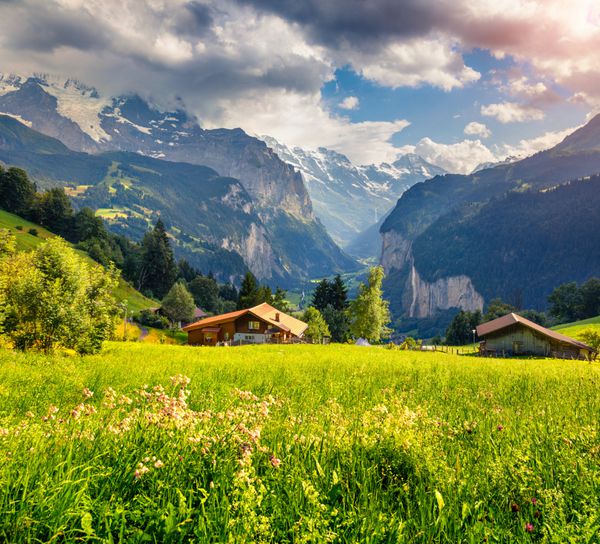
334,443
574,329
26,242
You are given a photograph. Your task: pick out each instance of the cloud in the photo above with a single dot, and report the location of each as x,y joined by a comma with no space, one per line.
460,158
477,129
243,62
527,147
512,112
349,103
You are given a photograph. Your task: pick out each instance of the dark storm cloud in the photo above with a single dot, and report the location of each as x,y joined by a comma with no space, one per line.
356,21
194,19
49,28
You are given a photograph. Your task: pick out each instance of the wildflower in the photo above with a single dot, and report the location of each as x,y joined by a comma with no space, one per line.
140,471
87,393
500,427
211,485
529,528
275,461
158,464
515,507
29,414
534,500
3,432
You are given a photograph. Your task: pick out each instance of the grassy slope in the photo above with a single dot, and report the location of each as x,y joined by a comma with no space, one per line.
375,446
25,241
574,329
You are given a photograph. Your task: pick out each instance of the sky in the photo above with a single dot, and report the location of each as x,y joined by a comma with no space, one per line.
460,82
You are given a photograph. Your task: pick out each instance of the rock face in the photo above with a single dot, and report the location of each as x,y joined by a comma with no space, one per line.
347,198
85,121
427,299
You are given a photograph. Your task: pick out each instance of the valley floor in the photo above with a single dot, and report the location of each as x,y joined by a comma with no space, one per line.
297,444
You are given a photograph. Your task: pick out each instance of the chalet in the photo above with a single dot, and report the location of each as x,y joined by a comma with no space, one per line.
514,335
257,325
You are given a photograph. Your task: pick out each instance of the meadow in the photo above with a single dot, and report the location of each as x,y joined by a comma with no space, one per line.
159,443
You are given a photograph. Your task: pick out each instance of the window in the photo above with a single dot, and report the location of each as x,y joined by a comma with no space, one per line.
253,325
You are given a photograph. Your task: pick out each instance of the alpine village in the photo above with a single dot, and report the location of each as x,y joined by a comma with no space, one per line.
300,272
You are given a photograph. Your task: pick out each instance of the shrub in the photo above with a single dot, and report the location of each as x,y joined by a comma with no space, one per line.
147,318
33,231
53,298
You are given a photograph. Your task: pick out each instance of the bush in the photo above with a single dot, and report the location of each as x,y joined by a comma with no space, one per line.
19,227
147,318
54,299
33,231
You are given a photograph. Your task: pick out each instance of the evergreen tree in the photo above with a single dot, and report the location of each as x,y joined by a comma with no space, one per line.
228,292
17,192
249,294
279,300
178,304
338,323
265,294
186,271
369,313
338,297
158,268
317,326
322,295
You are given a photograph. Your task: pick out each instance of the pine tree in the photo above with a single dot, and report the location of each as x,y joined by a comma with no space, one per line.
322,295
369,313
339,293
249,294
158,270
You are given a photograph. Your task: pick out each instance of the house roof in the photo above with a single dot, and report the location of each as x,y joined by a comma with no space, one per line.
263,311
512,319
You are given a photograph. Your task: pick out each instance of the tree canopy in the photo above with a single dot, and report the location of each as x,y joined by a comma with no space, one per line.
369,313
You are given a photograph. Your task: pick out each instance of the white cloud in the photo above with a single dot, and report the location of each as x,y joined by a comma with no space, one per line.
527,147
477,129
512,112
309,125
460,158
413,63
349,103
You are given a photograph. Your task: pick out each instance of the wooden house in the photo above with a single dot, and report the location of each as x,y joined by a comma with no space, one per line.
514,335
257,325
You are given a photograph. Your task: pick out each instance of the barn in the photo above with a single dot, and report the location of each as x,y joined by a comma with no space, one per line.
514,335
257,325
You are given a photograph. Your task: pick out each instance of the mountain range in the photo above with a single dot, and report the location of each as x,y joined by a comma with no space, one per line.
349,199
281,239
514,231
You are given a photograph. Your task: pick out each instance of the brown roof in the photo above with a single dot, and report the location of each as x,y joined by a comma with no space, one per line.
512,319
263,311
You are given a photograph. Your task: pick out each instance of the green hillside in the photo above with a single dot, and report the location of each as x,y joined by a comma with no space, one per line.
26,240
574,329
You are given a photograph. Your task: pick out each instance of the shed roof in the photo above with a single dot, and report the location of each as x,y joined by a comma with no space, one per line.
263,311
512,319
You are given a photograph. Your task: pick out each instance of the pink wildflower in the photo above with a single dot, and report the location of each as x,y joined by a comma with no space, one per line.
500,427
275,461
534,500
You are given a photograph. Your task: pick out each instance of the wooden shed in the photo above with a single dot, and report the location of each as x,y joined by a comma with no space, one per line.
514,335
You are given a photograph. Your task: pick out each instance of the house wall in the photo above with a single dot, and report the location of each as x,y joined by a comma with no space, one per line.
241,325
529,343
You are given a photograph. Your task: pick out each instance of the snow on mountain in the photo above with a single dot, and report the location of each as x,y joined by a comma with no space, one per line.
348,199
